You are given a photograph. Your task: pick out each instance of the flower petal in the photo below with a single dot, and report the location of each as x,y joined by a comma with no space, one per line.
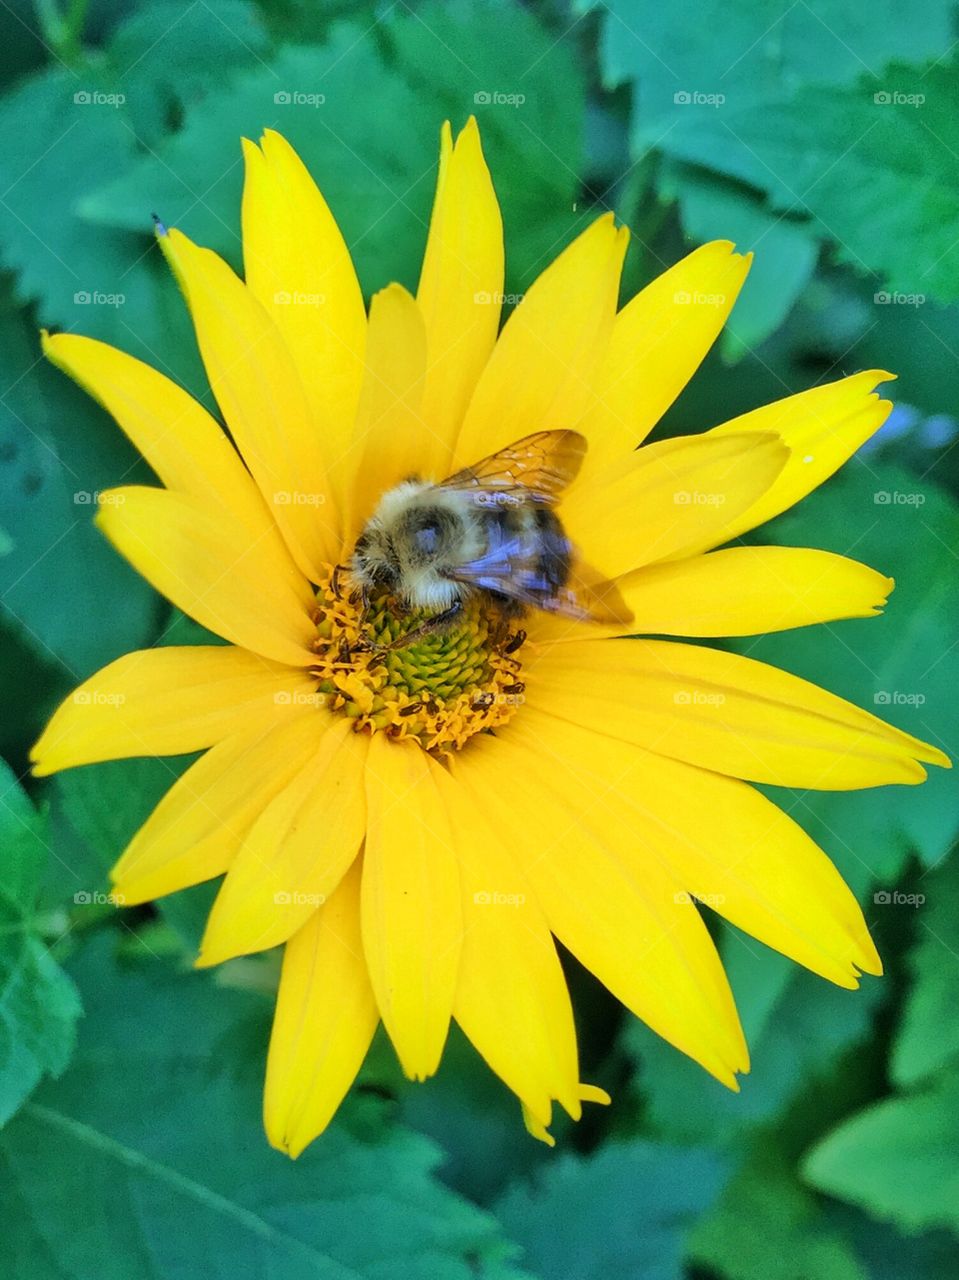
823,428
196,830
667,497
412,918
298,267
511,997
746,591
207,566
653,955
183,444
723,712
298,849
657,344
726,844
390,439
460,290
258,388
324,1022
543,367
166,702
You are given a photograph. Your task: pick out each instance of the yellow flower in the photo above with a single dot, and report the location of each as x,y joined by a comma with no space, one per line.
417,825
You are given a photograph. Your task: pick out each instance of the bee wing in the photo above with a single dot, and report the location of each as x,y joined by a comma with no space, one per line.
537,468
512,568
599,598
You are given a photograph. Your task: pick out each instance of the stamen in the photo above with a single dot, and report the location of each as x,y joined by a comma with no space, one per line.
441,689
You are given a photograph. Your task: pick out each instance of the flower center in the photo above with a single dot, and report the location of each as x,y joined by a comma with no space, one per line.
441,688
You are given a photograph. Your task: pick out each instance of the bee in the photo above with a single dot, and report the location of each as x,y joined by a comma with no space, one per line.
489,530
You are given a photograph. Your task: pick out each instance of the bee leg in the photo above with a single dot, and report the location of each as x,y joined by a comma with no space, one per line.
436,623
335,585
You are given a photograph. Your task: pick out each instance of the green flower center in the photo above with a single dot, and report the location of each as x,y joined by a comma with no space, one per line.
441,688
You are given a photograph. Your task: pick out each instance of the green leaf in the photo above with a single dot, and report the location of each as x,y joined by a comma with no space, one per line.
366,125
838,153
928,1034
169,56
766,1226
624,1211
751,52
494,61
903,666
155,1136
65,591
101,807
797,1026
64,137
38,1003
898,1159
786,251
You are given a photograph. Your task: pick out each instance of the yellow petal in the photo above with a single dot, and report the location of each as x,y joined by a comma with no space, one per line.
539,1130
412,919
460,290
626,928
257,386
196,830
823,428
511,996
183,444
657,344
542,371
166,702
391,441
664,498
208,566
324,1022
297,851
725,844
745,591
298,266
723,712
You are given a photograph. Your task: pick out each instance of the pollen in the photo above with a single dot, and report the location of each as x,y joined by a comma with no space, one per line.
440,689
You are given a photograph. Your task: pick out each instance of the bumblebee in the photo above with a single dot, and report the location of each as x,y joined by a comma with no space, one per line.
490,530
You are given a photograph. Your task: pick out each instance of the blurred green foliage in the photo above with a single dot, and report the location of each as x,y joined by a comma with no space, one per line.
823,136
